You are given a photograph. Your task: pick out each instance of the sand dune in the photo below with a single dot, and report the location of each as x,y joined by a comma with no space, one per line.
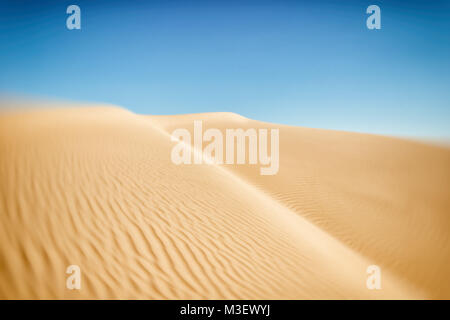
96,187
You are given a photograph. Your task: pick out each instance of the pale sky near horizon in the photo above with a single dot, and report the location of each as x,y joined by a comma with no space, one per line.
302,63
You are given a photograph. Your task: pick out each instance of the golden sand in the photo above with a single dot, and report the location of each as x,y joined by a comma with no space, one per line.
95,187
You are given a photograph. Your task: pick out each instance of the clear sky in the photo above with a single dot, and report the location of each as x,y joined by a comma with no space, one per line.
306,63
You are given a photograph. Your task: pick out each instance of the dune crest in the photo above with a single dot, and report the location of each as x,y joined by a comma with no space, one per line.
95,187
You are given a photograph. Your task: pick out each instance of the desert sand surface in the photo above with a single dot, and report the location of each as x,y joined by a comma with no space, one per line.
95,187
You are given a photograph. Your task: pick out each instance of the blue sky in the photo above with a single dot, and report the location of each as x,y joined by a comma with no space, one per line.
301,63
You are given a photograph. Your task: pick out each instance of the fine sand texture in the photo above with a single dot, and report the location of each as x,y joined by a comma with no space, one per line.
95,186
